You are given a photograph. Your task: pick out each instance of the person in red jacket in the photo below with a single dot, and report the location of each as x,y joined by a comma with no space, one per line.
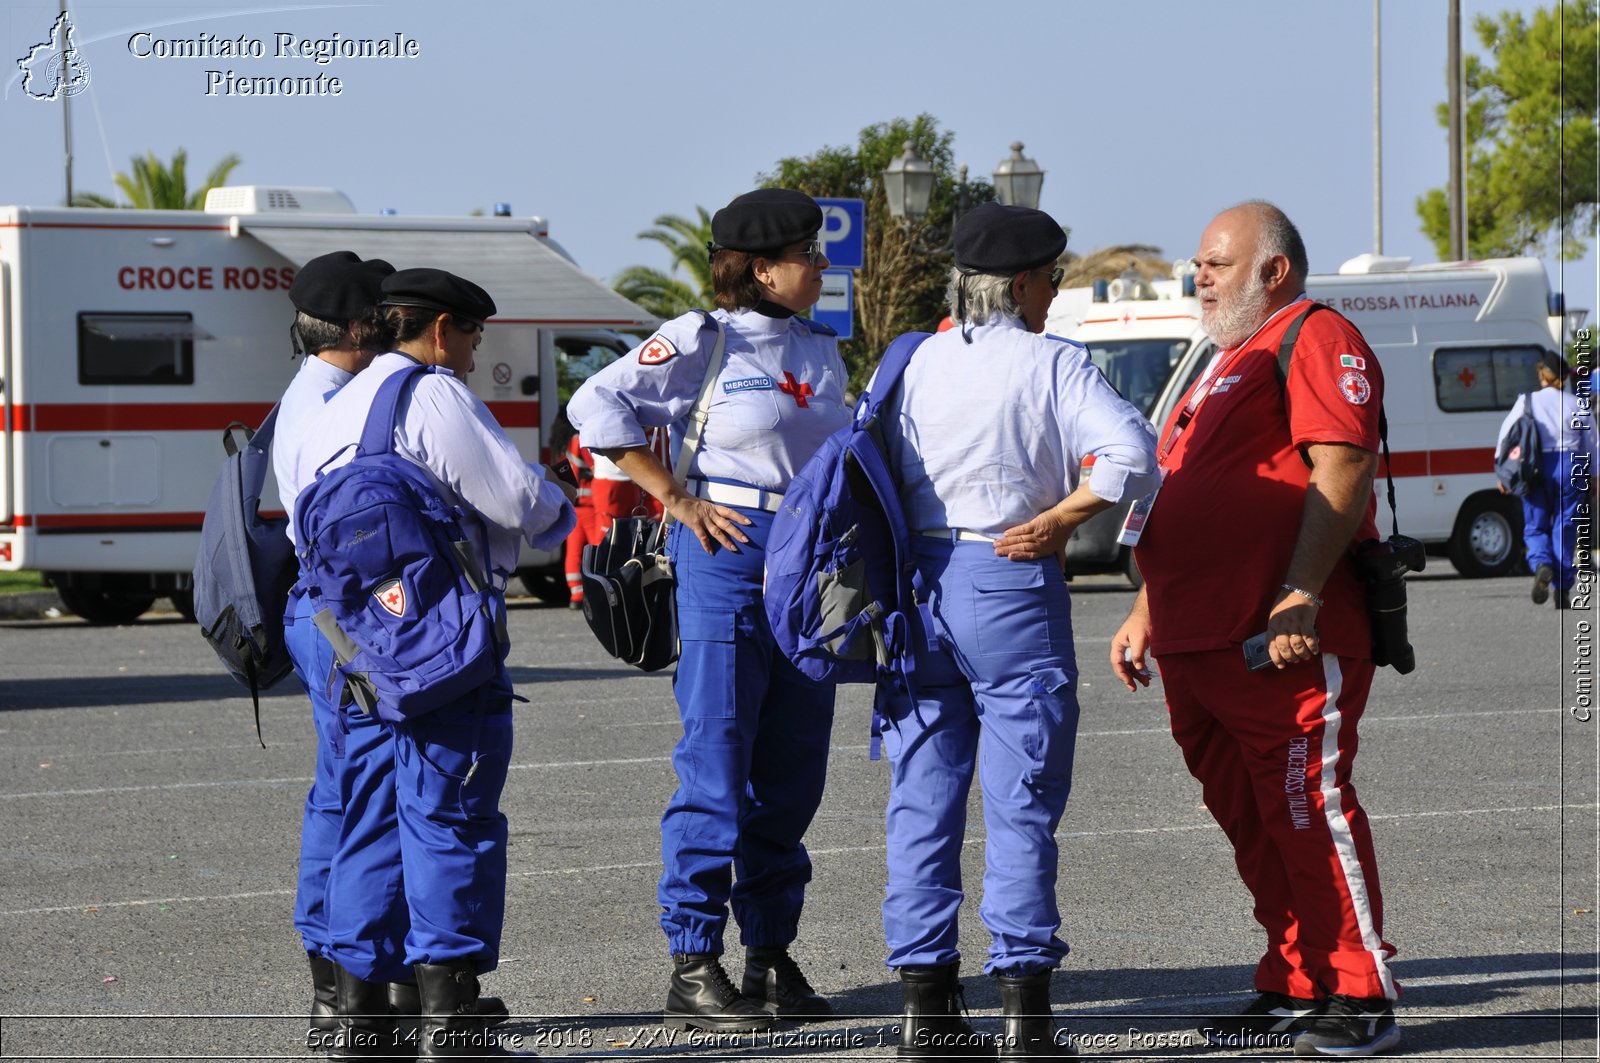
1274,749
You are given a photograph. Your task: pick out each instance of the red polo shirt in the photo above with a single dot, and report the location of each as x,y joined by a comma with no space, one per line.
1217,544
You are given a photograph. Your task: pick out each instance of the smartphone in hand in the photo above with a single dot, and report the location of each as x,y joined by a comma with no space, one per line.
1256,654
563,470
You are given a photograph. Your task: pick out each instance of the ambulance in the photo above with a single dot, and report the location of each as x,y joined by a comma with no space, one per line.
130,340
1458,342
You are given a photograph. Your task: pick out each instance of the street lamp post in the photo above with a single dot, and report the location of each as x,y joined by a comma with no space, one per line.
908,183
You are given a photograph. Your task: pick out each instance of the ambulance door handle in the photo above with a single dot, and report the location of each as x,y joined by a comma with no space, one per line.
530,385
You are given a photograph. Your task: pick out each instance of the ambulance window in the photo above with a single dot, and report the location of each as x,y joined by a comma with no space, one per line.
577,359
137,348
1467,379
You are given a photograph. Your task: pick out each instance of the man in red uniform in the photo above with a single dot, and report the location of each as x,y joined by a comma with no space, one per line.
1273,749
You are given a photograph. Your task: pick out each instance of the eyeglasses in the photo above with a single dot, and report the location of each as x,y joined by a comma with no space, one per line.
1056,276
812,250
465,325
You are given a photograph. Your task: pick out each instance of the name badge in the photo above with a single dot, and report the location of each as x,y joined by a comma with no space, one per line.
754,383
1138,514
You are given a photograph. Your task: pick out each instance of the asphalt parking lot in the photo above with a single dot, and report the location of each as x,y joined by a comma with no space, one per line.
149,845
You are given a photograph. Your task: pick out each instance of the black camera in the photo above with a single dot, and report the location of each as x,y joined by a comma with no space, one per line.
1382,566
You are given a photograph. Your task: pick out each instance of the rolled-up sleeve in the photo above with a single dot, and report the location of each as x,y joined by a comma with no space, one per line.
1103,424
617,405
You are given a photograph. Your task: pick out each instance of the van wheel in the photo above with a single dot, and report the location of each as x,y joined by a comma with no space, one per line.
1130,569
183,604
1488,537
105,608
548,586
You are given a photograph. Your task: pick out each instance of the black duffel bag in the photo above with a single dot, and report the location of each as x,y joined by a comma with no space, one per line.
628,596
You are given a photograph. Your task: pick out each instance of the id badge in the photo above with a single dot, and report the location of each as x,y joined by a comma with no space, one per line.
1138,513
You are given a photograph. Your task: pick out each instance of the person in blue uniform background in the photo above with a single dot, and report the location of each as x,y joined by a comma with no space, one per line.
1566,455
754,751
987,434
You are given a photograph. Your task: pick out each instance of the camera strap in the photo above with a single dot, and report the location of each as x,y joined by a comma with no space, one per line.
1286,353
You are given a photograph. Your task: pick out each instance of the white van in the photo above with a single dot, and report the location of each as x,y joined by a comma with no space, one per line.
1458,342
129,340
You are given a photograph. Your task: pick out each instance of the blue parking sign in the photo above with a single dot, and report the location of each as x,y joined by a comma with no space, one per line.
844,232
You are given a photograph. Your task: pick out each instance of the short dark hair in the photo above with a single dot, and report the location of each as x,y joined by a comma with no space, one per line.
733,278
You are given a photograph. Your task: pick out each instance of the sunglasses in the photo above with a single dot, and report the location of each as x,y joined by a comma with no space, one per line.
465,325
812,250
1056,276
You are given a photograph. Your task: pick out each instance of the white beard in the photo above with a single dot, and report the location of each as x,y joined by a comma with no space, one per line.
1231,323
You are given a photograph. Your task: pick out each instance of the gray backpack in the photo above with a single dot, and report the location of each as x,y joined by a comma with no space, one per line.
245,569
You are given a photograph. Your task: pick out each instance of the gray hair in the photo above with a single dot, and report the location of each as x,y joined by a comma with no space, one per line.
1278,237
316,334
987,295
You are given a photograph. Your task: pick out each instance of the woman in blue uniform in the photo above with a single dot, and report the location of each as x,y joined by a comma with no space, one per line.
987,434
755,731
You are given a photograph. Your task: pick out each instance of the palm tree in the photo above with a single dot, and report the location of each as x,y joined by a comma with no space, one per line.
665,294
157,186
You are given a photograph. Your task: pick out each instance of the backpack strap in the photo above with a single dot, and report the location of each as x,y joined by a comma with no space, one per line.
1286,355
377,437
701,411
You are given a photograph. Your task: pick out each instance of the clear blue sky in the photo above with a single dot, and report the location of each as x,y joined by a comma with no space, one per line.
602,114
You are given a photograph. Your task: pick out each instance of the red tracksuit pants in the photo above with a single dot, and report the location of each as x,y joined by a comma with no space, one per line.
1273,751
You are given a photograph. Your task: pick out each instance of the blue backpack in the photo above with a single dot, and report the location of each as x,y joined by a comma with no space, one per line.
245,568
1516,459
406,603
841,585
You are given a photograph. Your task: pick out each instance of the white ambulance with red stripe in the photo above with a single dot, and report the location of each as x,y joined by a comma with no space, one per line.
1458,341
130,339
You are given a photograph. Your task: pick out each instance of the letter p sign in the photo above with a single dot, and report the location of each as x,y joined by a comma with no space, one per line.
843,235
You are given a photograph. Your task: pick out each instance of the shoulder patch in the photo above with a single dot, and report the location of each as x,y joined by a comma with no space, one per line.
658,350
1352,361
1355,388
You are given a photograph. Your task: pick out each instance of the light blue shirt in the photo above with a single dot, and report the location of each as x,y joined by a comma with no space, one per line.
993,433
315,383
448,431
1564,423
779,395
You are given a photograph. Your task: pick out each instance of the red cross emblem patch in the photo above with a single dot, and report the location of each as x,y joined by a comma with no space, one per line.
1355,388
392,596
656,351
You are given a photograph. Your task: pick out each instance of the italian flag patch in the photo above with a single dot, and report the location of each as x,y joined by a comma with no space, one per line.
1350,361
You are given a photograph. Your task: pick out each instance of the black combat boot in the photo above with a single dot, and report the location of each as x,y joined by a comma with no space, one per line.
933,1026
1029,1031
701,997
453,1027
772,978
406,1003
324,1020
366,1029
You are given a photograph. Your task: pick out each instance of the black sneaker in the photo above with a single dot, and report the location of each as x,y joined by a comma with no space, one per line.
1349,1026
1269,1021
1542,578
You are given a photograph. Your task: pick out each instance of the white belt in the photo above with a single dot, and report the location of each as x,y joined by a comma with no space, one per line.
735,495
956,535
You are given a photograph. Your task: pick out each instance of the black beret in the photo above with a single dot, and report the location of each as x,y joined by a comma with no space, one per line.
994,238
435,289
1556,364
338,286
766,220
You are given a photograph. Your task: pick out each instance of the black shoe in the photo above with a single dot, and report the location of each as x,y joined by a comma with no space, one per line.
1029,1030
934,1024
701,997
1349,1026
1542,577
1269,1021
773,979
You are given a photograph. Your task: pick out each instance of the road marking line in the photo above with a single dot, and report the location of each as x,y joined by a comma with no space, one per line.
841,850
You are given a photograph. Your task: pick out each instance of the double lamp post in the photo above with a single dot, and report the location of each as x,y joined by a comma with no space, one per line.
908,183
